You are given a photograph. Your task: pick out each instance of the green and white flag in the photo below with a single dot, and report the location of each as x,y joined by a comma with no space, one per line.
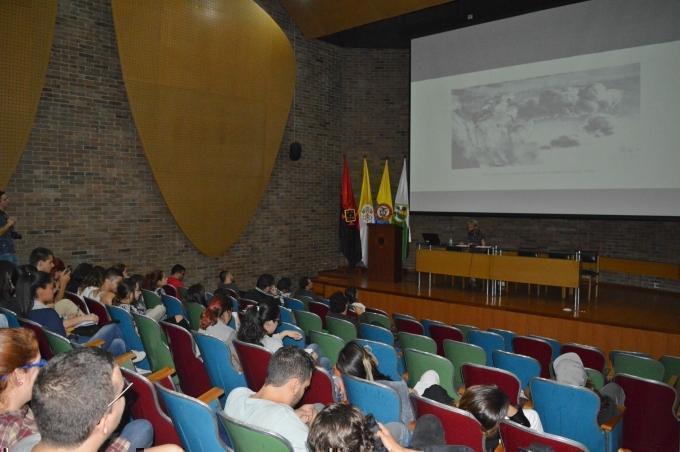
401,212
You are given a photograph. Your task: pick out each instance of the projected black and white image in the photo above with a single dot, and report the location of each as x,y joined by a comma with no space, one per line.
545,120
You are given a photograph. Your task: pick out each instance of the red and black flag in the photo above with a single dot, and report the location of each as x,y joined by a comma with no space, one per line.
350,243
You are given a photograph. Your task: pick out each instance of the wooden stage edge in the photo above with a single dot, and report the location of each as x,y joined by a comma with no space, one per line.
621,318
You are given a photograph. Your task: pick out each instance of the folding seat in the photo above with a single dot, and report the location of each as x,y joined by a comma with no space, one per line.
408,324
344,329
376,333
523,367
287,316
254,360
475,374
308,321
388,361
419,362
460,353
441,332
77,300
377,318
151,299
320,388
319,309
330,345
43,343
245,303
416,342
245,437
193,377
427,323
555,346
639,366
294,304
537,348
518,438
195,311
127,327
99,309
12,319
173,306
217,360
671,366
592,357
155,343
488,341
299,343
465,329
508,336
170,290
460,427
373,398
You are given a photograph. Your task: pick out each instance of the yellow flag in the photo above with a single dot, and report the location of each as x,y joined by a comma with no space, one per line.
385,210
366,214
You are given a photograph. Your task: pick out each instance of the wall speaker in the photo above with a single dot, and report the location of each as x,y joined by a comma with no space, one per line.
295,151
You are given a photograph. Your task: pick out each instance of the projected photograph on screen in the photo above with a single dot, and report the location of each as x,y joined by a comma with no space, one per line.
541,120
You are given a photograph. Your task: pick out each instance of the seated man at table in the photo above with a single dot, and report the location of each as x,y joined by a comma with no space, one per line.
474,234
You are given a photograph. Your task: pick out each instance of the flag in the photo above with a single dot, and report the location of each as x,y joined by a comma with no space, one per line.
401,213
366,214
384,211
350,245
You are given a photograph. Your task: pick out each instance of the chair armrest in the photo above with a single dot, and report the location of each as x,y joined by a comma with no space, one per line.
210,395
673,380
160,374
121,359
95,343
611,424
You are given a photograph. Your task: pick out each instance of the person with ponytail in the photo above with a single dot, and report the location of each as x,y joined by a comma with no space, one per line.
215,322
128,297
20,362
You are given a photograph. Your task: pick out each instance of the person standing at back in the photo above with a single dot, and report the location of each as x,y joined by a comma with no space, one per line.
7,232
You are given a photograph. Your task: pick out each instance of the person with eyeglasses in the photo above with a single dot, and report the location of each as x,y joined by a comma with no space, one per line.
66,420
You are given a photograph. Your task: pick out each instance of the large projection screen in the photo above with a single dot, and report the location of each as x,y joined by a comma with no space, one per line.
569,111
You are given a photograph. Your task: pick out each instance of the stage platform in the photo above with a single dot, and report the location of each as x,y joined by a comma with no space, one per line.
620,318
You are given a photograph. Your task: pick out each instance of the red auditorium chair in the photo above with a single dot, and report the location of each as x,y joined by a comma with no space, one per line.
170,290
320,309
441,332
254,360
320,388
518,438
99,310
43,343
78,301
408,324
592,357
244,303
538,349
193,378
476,374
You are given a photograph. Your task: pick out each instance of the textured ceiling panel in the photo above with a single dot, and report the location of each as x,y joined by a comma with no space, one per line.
210,84
26,29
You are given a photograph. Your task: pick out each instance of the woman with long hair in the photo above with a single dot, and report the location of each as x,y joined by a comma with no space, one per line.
215,322
128,297
154,281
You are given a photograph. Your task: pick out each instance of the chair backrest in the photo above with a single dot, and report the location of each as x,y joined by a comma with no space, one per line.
440,332
408,324
377,311
538,349
569,411
217,360
12,319
416,342
43,343
640,366
245,437
671,365
170,290
173,306
99,309
419,362
193,377
427,323
308,321
330,344
508,336
344,329
151,298
388,361
245,303
518,437
475,374
523,367
77,300
376,333
377,318
373,398
649,422
460,427
465,329
614,353
146,405
286,315
320,309
58,344
320,388
195,422
254,360
294,304
488,341
49,319
555,346
299,343
195,310
592,357
155,343
130,335
460,353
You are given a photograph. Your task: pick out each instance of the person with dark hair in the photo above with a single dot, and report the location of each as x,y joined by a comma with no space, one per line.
154,281
215,322
42,259
196,294
265,290
92,282
226,279
122,268
259,323
176,278
474,234
284,287
7,232
305,286
107,291
339,306
289,374
77,276
66,423
128,297
61,275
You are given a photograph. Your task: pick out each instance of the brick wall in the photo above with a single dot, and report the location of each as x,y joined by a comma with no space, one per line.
83,186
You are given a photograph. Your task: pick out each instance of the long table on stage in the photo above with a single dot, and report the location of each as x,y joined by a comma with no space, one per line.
542,271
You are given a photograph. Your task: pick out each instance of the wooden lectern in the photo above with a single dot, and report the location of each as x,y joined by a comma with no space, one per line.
384,252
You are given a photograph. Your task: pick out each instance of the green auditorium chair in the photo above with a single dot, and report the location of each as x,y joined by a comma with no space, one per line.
344,329
417,342
460,353
330,344
418,362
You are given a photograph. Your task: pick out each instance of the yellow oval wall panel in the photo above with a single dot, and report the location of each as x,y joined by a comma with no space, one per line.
210,84
26,28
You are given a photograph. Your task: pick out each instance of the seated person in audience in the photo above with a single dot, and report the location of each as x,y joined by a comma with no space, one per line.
77,276
176,278
35,292
42,259
128,298
341,427
215,322
92,281
339,307
353,301
489,405
271,408
284,287
305,286
569,369
66,421
61,277
122,268
107,291
226,279
196,294
474,234
154,281
265,290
